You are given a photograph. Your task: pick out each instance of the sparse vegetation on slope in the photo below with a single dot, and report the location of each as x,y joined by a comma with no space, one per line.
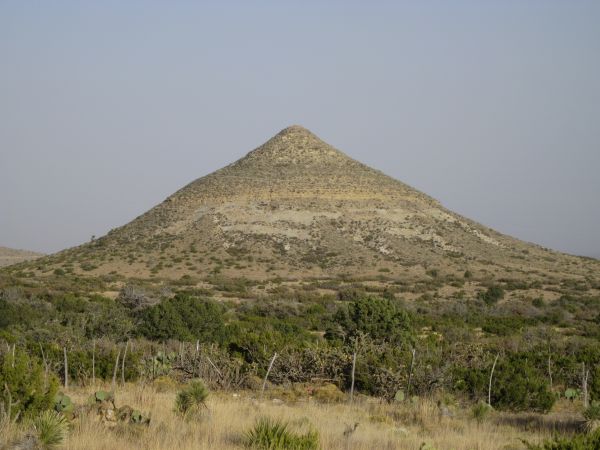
298,207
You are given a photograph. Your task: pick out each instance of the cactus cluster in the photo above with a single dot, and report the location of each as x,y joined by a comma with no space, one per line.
103,403
126,414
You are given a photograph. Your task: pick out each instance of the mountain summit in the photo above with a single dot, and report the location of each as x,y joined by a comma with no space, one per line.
297,207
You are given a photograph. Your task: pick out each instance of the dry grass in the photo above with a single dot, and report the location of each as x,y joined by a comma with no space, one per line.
381,426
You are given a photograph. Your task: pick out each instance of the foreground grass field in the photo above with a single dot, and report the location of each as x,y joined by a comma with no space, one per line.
412,425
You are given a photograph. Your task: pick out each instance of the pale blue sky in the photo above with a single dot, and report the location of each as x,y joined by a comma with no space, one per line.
492,107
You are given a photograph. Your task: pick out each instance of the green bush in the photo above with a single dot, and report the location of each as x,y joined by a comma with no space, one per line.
578,442
594,386
184,318
592,412
23,386
517,385
492,295
381,319
271,434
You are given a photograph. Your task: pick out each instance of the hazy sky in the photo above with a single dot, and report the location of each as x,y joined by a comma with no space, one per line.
492,107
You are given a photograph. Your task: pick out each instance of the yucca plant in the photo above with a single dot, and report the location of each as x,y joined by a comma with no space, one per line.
51,429
269,434
191,398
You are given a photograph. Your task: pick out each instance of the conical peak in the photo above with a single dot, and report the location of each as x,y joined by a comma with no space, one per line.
297,133
293,129
296,164
295,144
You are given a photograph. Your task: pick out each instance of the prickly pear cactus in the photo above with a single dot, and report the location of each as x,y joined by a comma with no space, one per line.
102,396
571,394
138,418
399,396
63,404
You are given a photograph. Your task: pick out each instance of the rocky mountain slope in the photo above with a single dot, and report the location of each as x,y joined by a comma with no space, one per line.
296,207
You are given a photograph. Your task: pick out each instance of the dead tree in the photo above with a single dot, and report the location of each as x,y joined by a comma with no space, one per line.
490,382
550,370
267,374
584,385
352,377
94,363
114,379
410,373
123,364
45,366
66,368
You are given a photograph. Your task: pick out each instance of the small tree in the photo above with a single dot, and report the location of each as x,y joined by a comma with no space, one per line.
383,320
492,295
518,386
23,390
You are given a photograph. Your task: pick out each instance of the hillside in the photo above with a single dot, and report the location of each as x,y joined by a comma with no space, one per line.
296,207
9,256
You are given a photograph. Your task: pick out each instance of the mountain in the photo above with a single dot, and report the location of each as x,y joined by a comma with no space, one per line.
296,207
9,256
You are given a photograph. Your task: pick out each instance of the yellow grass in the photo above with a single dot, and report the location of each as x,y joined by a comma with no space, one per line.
381,426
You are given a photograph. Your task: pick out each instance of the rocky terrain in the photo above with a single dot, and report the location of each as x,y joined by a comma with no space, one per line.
296,207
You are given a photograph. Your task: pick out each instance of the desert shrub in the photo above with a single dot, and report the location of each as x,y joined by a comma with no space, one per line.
271,434
80,361
184,318
24,391
135,298
380,369
592,417
302,365
592,412
520,387
594,386
517,385
328,393
578,442
381,319
505,326
492,295
164,384
350,294
191,398
107,318
22,314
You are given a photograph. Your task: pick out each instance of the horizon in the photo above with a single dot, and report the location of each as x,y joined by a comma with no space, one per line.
490,109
